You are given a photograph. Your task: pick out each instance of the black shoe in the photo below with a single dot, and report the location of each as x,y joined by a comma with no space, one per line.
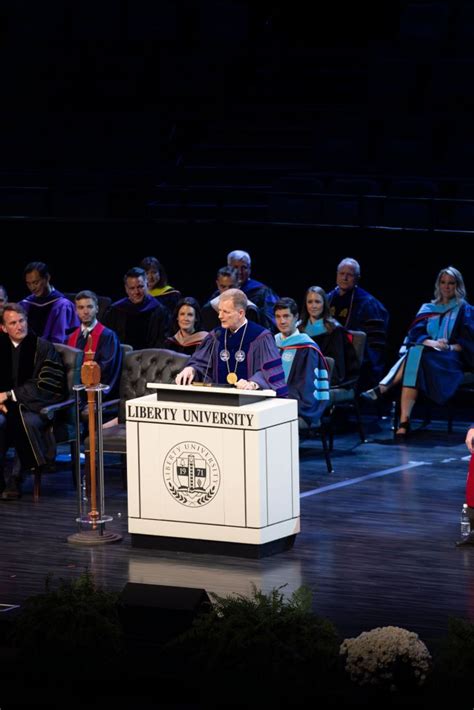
405,430
468,540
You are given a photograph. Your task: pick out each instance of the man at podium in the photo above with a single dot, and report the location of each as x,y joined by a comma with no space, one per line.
239,353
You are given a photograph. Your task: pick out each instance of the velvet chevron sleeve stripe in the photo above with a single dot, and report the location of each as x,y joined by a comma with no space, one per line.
51,377
275,376
321,384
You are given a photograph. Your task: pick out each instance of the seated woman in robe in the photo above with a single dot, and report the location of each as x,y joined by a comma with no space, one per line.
437,350
186,326
332,339
157,283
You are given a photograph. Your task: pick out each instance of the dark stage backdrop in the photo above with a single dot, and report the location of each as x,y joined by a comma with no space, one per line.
398,267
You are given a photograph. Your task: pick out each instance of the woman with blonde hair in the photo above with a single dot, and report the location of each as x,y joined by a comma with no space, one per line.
437,350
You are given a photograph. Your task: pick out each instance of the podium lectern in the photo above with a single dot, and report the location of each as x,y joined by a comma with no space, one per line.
213,469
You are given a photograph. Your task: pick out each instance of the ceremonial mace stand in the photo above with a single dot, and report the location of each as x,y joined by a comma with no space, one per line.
92,518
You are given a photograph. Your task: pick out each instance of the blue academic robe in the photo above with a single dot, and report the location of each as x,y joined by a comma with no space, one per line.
437,373
306,374
359,310
264,298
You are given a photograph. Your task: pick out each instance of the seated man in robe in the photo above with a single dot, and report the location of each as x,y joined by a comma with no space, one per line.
105,343
263,296
138,319
50,314
31,377
226,278
357,309
306,371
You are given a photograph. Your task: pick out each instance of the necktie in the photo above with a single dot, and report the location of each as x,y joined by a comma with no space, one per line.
82,339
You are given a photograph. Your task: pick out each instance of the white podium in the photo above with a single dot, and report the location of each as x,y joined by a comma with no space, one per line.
213,469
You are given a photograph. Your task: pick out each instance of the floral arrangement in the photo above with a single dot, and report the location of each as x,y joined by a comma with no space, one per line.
386,657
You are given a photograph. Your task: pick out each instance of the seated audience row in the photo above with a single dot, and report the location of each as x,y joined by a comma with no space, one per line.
438,348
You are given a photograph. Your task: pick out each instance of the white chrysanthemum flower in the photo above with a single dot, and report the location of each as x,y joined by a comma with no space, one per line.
377,657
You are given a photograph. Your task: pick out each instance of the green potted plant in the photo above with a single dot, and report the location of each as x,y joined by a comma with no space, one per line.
454,660
261,646
68,628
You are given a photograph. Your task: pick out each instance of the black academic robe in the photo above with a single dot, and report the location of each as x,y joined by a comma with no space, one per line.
359,310
264,298
141,325
40,381
337,345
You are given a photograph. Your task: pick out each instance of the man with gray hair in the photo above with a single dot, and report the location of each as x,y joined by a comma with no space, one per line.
263,296
357,309
240,353
31,377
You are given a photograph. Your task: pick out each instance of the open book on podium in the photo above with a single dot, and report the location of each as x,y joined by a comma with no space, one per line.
213,469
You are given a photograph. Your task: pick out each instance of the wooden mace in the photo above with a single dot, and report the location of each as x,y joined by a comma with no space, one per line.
90,377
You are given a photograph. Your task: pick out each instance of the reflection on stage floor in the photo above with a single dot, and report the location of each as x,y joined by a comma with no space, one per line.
377,544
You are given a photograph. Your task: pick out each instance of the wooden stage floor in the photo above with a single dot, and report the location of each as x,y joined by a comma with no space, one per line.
376,547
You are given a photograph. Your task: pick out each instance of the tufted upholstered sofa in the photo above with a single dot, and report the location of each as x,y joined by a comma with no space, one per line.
139,367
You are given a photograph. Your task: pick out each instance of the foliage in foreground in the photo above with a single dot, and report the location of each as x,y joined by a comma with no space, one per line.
264,635
75,617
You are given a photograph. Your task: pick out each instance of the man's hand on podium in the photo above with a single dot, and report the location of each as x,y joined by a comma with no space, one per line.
186,376
246,385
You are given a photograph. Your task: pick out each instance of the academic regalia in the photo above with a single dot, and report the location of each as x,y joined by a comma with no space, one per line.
187,345
210,310
107,353
35,373
337,345
359,310
167,296
262,363
141,325
306,375
437,373
51,317
264,298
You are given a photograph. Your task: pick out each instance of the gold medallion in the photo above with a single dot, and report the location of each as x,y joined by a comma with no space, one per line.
232,378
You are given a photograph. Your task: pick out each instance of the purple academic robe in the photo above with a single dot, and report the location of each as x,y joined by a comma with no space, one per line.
262,362
51,317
